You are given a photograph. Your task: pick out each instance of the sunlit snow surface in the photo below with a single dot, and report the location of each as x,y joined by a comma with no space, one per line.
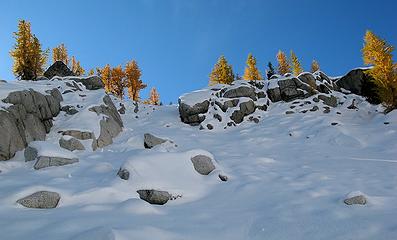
288,177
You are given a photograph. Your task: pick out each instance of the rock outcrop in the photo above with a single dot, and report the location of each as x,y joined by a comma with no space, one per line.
71,144
358,82
91,82
41,199
58,69
28,119
110,125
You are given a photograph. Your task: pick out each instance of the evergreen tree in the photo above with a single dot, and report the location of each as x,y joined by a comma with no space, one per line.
29,58
117,82
77,69
296,65
60,53
315,66
154,97
270,71
105,74
133,80
238,77
222,73
251,72
378,53
283,63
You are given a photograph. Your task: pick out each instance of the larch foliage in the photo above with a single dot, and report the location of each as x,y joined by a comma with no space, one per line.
117,82
29,58
134,83
315,66
60,53
154,97
270,70
378,53
91,72
77,69
283,63
222,73
251,72
106,73
296,65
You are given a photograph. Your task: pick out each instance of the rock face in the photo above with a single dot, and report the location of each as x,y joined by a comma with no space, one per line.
150,140
203,164
42,199
223,105
28,119
191,114
30,154
71,144
110,126
154,196
58,69
360,199
360,83
291,88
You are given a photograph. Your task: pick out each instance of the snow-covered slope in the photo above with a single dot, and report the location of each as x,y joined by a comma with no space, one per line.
288,175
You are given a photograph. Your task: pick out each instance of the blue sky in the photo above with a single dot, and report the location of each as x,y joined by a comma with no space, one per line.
177,42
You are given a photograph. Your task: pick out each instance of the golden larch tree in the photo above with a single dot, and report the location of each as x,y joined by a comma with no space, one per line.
77,69
296,65
222,73
283,63
154,98
117,82
315,66
105,74
29,58
378,53
60,53
251,72
91,72
134,83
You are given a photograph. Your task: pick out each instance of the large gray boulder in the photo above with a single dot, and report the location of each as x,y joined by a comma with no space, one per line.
359,82
203,164
28,119
71,144
41,199
59,69
30,154
191,114
150,141
110,125
45,161
308,78
331,100
154,196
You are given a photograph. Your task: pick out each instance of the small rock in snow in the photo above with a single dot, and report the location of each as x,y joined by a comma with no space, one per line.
41,199
123,174
360,199
203,164
150,140
154,196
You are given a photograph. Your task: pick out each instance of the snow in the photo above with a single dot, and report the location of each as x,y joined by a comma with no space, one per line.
196,97
49,149
288,176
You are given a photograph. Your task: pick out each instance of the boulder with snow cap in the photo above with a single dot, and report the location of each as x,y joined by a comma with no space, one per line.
71,143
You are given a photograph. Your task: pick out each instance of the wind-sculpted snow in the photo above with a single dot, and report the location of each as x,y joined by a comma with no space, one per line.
288,175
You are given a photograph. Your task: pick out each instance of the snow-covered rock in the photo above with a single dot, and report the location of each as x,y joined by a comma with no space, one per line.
156,197
70,143
150,141
203,164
